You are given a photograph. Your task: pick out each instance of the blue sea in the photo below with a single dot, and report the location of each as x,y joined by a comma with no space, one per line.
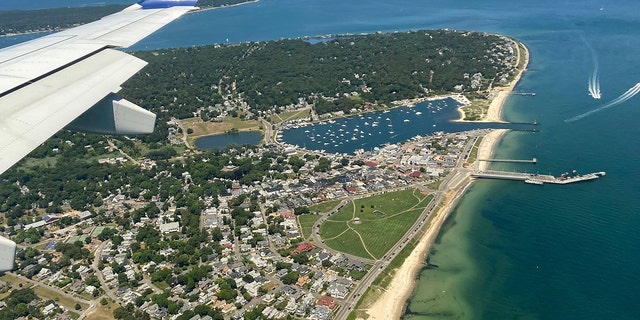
50,4
511,250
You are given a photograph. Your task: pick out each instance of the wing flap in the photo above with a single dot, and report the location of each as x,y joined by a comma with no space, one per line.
29,67
47,82
29,118
127,27
28,61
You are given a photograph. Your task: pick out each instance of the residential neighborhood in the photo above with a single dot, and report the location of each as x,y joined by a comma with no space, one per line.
242,254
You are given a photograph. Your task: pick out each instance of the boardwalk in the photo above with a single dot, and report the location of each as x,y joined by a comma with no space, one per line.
536,178
534,160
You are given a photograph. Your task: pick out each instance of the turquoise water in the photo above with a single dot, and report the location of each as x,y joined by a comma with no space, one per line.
511,250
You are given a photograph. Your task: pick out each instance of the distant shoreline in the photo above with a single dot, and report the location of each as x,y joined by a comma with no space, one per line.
225,6
54,29
392,303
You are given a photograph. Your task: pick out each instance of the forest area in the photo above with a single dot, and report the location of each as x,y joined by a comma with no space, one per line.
334,74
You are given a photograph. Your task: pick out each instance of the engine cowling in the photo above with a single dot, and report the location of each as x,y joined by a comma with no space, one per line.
115,115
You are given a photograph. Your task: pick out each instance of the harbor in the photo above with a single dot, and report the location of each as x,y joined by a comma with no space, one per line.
537,179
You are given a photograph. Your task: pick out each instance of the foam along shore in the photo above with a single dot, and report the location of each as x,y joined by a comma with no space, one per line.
390,305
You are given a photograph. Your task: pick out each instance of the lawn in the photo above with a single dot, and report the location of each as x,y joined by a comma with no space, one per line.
201,128
65,301
103,312
384,219
394,228
344,214
44,292
306,222
474,151
290,115
476,110
324,206
331,229
349,242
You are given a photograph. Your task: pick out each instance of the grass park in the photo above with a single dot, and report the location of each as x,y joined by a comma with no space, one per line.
290,115
306,221
369,227
204,128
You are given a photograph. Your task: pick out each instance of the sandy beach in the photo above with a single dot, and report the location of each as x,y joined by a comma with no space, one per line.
391,303
494,113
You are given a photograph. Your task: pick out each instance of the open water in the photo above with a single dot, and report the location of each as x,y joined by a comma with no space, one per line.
49,4
511,250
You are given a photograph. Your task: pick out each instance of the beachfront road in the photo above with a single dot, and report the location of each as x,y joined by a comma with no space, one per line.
456,180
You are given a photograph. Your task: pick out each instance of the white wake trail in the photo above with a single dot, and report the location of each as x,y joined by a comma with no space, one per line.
622,98
594,80
594,84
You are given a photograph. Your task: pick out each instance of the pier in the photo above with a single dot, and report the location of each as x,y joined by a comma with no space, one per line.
532,94
534,160
538,179
534,123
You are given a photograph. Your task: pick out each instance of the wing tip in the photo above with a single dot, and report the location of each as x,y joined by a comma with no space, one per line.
161,4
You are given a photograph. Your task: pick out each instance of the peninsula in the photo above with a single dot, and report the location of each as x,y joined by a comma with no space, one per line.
390,301
149,227
17,22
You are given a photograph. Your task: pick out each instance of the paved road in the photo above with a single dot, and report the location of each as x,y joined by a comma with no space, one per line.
457,176
52,288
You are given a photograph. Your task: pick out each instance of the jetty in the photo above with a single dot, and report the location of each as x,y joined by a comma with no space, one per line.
538,179
534,160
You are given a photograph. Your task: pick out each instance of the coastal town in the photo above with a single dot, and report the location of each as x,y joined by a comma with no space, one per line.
162,230
270,266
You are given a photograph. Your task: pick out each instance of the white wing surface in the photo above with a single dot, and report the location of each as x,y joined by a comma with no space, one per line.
69,79
46,83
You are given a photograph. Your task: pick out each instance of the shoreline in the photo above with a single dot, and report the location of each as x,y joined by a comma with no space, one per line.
494,113
392,303
53,30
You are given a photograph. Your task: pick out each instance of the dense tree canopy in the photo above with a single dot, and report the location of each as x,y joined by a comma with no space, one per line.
380,68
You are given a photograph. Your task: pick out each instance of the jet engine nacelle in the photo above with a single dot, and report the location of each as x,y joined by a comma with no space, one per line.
7,254
114,115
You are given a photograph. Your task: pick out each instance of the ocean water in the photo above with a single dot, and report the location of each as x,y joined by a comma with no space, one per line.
510,250
48,4
370,130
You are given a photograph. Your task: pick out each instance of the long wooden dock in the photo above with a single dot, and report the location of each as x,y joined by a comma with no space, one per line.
534,160
538,179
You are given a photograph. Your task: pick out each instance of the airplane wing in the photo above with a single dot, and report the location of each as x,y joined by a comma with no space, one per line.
70,79
46,83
